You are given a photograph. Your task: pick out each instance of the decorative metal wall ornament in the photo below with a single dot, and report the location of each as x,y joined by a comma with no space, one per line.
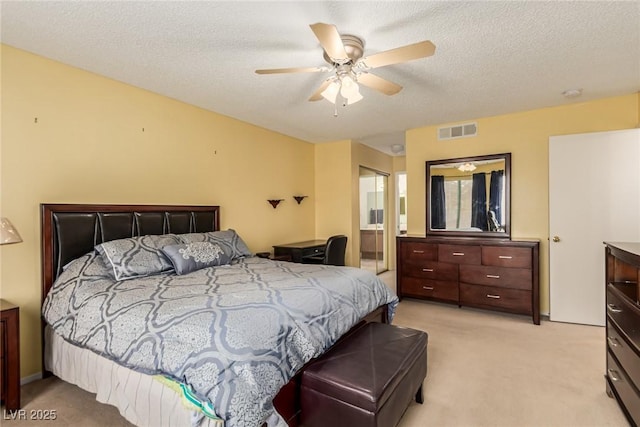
275,202
299,199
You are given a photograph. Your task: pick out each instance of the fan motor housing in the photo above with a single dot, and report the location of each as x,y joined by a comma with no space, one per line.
353,45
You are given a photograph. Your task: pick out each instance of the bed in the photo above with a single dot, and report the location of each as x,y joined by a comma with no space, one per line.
190,356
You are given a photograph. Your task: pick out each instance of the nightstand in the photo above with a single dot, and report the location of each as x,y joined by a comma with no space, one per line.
10,355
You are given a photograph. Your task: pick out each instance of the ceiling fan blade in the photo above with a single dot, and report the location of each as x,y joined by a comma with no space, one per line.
317,95
379,84
330,40
400,54
292,70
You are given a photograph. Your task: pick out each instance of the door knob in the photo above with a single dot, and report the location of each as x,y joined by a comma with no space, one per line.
556,239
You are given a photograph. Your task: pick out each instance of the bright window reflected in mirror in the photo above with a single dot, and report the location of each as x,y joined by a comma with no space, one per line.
458,204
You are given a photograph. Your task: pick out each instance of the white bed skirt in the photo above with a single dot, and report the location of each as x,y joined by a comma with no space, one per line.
140,398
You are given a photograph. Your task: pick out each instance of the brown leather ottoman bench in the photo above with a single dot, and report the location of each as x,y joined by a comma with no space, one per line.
368,379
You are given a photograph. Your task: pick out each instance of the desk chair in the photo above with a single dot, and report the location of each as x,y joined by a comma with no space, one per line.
333,254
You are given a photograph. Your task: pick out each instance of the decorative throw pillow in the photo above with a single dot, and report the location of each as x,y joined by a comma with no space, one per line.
229,241
137,256
193,256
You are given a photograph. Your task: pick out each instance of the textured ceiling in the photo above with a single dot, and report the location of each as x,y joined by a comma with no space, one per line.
491,57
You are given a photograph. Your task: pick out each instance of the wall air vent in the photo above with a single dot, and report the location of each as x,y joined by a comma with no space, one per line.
458,131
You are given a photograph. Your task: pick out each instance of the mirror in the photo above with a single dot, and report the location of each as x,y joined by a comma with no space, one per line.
469,196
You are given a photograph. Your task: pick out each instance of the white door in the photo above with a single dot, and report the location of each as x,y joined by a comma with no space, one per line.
594,196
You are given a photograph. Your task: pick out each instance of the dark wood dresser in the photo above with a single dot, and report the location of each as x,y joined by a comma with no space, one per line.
9,355
485,273
623,326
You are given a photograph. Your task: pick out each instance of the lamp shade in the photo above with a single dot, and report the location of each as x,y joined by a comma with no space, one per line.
8,233
350,90
331,92
349,87
355,97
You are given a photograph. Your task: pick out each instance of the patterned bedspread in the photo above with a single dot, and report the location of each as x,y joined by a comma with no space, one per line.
235,334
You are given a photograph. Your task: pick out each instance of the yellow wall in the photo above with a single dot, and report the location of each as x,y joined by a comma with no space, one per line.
337,192
337,198
399,163
333,193
88,146
526,136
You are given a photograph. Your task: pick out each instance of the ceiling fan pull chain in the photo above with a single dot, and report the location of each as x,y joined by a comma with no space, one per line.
335,110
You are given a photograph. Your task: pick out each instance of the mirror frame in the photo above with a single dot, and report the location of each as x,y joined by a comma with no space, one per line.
506,234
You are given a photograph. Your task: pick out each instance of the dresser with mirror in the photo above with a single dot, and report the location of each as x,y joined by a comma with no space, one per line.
467,256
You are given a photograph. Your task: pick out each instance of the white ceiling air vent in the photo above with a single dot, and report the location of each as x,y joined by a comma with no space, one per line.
458,131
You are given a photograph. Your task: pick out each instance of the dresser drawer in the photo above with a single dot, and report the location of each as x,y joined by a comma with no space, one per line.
513,300
623,388
501,256
625,314
459,254
416,253
427,288
432,270
624,353
515,278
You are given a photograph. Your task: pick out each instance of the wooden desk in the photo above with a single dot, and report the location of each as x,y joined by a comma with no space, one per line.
10,355
297,251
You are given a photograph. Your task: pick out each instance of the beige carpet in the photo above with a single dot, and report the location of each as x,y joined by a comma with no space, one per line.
484,369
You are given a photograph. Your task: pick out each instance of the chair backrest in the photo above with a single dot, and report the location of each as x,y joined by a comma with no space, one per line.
335,250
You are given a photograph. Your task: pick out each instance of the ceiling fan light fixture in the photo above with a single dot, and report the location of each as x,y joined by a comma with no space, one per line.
467,167
349,87
350,90
331,92
353,98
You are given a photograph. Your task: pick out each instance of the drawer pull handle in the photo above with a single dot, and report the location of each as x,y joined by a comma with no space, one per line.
493,276
493,296
612,308
613,374
613,342
417,252
505,257
458,254
428,270
428,288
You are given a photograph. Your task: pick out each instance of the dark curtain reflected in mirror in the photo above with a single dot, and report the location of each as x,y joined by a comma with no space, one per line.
438,202
479,202
495,200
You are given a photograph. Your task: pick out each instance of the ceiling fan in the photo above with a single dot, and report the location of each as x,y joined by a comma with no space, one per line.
344,53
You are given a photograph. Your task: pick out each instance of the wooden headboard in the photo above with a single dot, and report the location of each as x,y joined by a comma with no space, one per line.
70,231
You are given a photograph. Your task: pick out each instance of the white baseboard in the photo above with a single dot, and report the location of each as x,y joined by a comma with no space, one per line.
31,378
